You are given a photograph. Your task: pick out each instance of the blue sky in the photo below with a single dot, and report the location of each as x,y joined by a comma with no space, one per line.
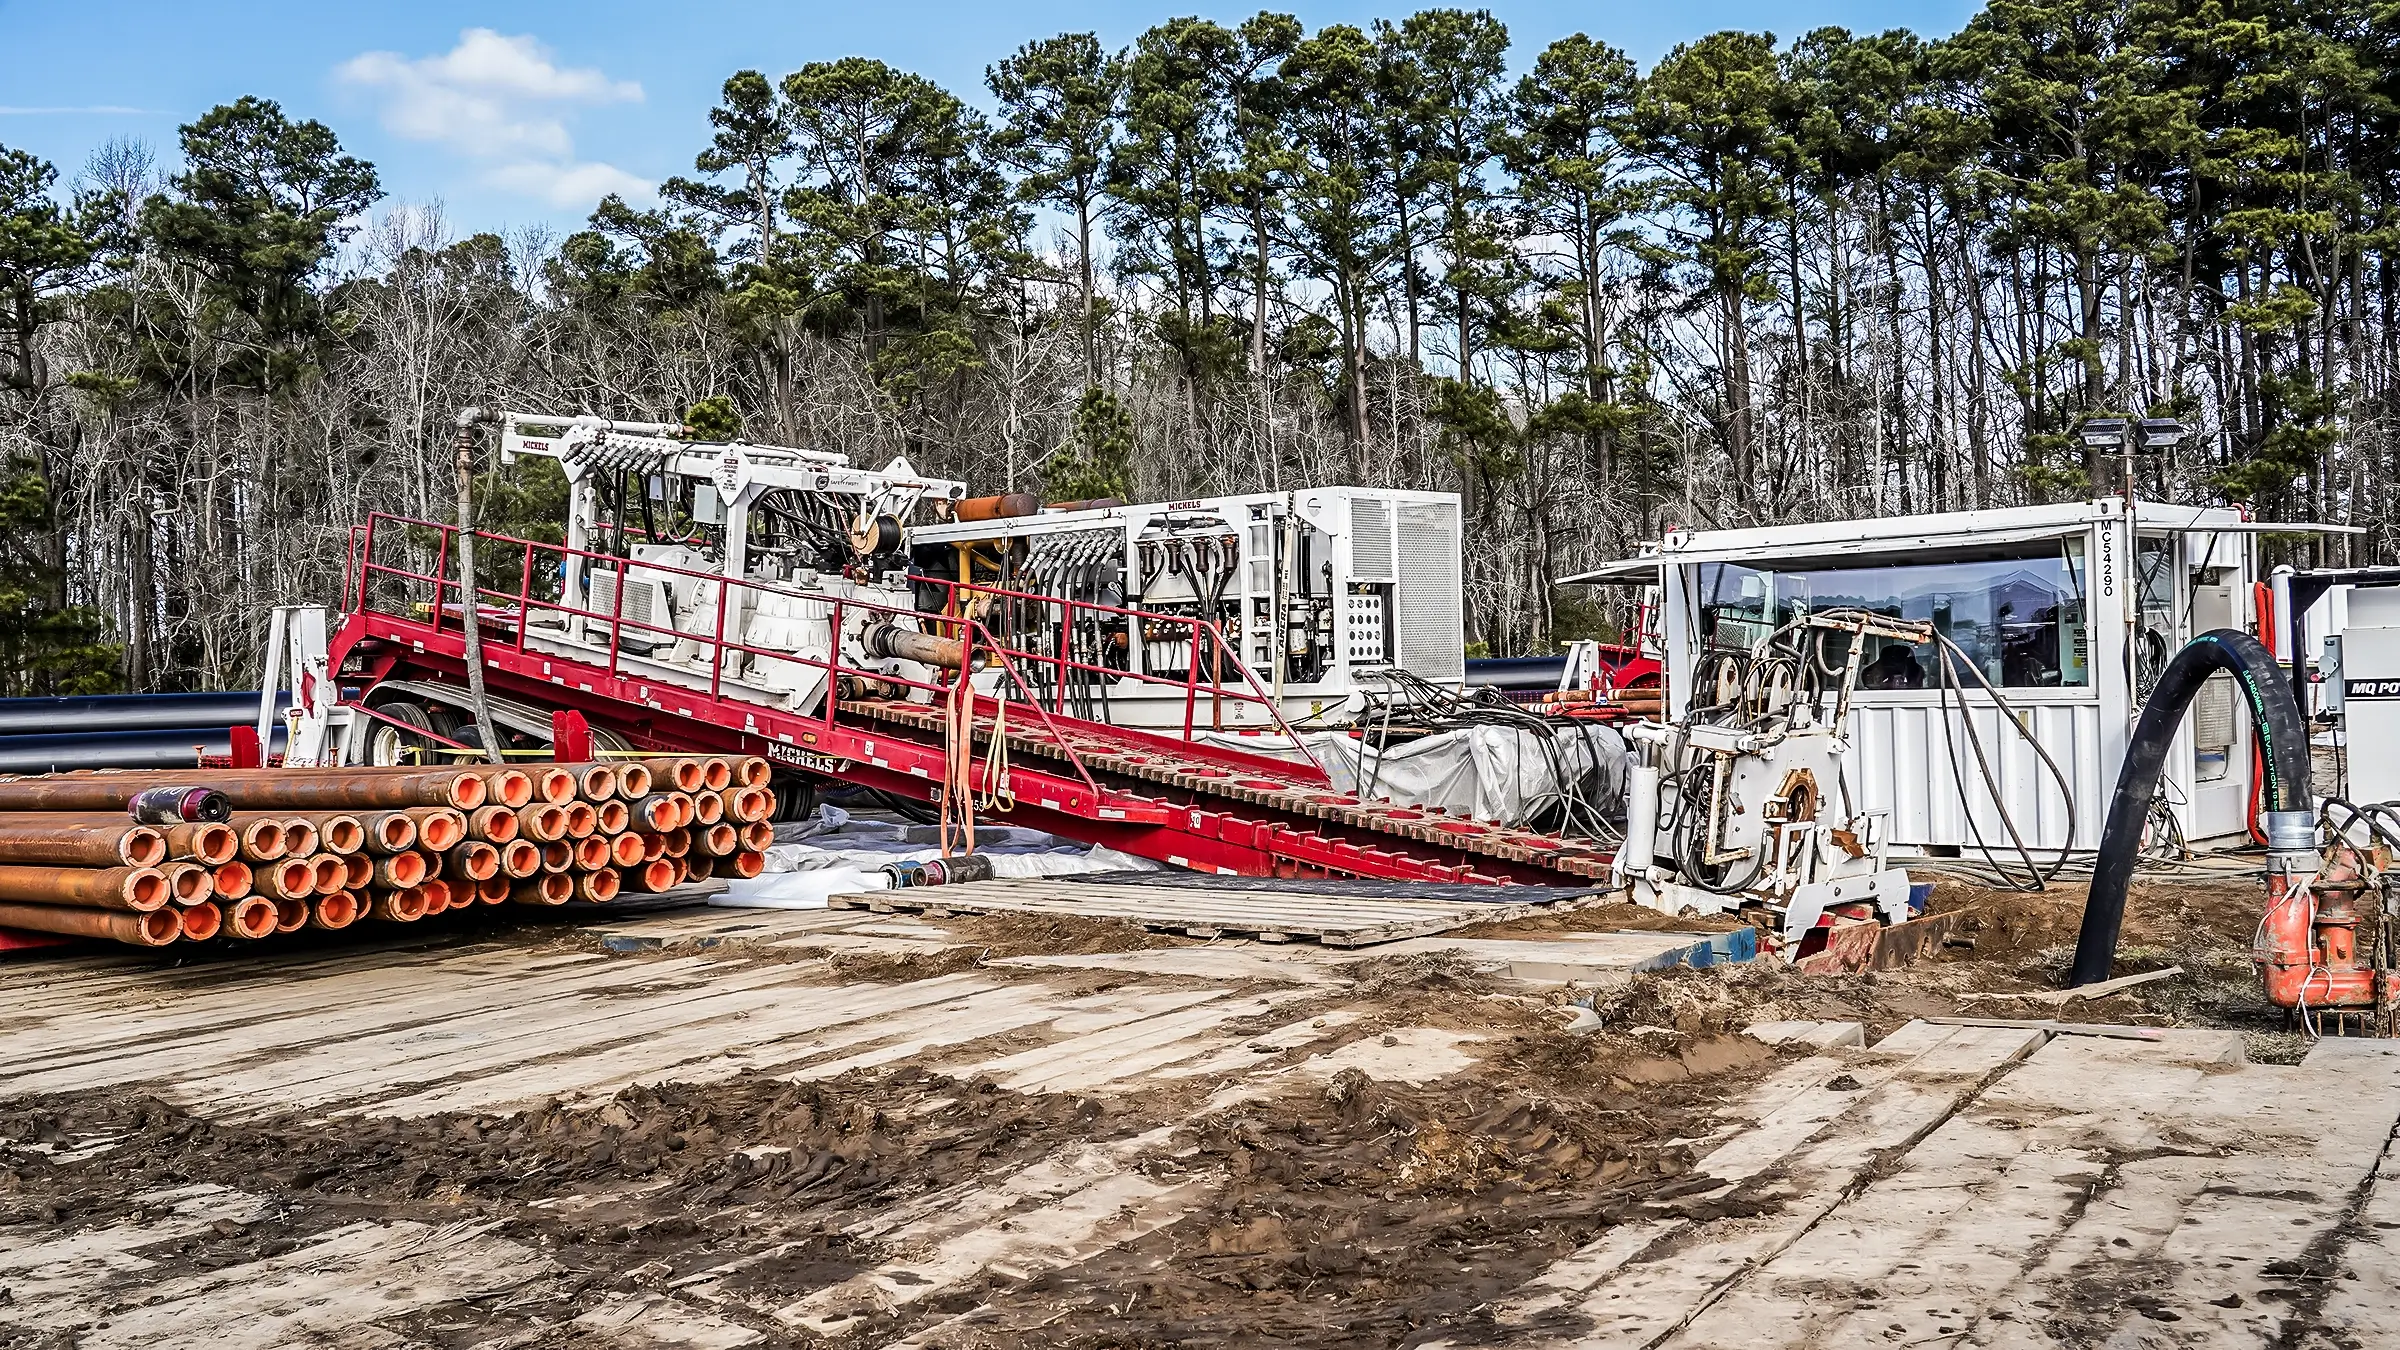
522,113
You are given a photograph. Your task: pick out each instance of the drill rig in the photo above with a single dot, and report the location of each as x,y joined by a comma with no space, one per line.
1740,803
696,564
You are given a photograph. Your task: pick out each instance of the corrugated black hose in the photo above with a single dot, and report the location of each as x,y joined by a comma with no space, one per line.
2282,744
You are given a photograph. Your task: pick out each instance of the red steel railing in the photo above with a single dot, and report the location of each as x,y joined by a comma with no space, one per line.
516,610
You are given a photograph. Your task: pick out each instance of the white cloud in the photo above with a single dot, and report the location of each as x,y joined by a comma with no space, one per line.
570,186
500,98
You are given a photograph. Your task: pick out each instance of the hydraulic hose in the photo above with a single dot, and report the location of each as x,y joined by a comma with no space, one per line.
2282,745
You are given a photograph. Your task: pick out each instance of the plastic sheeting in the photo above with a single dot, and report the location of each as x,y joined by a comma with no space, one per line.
1500,774
835,854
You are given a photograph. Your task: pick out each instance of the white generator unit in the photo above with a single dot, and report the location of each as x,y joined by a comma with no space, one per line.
1321,590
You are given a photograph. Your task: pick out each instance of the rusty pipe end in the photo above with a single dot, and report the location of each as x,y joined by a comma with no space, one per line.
262,840
291,915
439,896
520,858
467,791
198,923
689,774
614,817
625,850
478,860
441,832
749,863
554,785
722,838
403,870
344,835
634,780
394,831
358,872
716,774
145,889
143,846
582,818
189,883
598,887
514,787
659,874
598,782
299,838
336,911
557,888
496,824
214,844
751,771
160,927
557,856
708,808
592,853
231,880
492,890
679,842
331,872
252,916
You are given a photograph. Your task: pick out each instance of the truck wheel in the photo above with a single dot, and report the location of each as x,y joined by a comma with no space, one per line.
388,744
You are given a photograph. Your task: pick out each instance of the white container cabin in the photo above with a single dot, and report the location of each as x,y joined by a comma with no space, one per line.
2070,610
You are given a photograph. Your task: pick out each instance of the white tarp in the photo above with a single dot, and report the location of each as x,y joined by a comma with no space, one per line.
836,855
1495,773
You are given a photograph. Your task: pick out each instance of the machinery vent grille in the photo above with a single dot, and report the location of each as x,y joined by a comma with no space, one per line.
1432,644
1370,540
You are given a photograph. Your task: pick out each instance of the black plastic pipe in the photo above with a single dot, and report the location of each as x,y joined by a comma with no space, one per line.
128,712
168,748
2282,746
1516,672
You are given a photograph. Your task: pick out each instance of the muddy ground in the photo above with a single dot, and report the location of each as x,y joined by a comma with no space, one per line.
1355,1213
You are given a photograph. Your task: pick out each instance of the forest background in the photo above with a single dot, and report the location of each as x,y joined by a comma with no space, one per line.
1761,281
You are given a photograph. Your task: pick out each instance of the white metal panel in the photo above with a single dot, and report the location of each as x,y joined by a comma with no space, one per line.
1898,762
1431,632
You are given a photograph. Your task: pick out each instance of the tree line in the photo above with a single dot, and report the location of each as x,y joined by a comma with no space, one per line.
1757,282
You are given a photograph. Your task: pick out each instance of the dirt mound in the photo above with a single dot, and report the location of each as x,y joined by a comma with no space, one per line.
642,1181
1366,1213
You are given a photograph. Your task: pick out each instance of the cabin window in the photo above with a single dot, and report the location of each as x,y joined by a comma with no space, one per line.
2018,612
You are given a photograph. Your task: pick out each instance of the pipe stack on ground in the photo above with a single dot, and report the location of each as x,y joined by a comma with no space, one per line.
326,848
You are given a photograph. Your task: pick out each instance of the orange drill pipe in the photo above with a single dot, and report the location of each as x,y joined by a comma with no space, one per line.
81,840
598,887
231,880
189,883
156,928
251,917
202,921
716,774
208,843
138,890
256,789
389,831
552,889
334,912
261,838
439,828
492,824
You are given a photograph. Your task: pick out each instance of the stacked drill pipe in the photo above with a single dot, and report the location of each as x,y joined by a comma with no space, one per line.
275,851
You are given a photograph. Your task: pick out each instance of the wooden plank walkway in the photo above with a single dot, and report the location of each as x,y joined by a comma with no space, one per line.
1270,916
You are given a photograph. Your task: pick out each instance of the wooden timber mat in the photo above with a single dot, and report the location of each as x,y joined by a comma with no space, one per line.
1345,920
1345,887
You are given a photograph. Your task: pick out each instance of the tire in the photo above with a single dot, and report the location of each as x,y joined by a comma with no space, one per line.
389,745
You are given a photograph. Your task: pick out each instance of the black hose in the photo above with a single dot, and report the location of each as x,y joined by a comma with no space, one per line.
2282,744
